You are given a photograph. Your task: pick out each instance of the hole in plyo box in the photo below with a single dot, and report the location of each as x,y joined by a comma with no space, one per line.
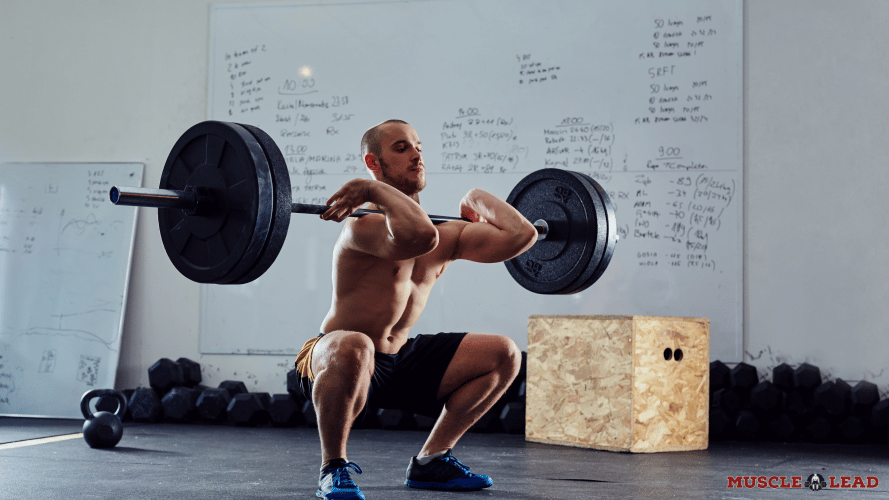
668,353
678,355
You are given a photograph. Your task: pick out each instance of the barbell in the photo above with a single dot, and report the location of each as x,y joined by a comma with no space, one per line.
225,205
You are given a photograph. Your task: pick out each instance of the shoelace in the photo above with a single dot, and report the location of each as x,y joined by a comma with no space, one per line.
341,474
454,461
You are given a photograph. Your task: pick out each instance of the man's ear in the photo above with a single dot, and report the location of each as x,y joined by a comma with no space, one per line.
371,163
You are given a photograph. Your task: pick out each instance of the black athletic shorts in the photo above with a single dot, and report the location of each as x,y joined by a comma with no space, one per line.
408,380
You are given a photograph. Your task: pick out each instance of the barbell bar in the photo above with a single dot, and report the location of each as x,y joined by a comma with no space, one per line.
188,200
225,202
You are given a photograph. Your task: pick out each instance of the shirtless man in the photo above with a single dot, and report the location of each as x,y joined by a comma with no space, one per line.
384,268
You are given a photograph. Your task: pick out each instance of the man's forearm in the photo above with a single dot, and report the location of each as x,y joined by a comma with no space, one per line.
405,218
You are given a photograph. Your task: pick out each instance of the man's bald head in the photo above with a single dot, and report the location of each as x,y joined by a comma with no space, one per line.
370,142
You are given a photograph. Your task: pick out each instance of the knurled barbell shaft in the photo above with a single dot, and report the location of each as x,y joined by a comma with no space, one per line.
187,200
303,208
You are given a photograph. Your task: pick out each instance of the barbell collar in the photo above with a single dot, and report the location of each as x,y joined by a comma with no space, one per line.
542,229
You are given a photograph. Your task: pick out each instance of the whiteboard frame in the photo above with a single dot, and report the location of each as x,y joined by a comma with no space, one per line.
127,273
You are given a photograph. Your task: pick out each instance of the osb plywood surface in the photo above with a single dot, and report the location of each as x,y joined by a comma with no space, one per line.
603,382
580,381
671,398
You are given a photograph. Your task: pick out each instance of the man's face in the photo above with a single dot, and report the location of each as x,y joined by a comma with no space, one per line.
401,163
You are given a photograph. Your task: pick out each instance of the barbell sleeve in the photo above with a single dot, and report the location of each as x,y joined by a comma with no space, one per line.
156,198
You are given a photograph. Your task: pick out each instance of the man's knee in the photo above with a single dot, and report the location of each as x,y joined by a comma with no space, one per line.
503,352
510,355
346,351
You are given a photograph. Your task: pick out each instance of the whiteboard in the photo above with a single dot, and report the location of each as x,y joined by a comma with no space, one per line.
644,96
65,255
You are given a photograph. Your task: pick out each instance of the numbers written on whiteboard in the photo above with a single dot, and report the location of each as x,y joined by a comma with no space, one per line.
294,150
297,86
665,152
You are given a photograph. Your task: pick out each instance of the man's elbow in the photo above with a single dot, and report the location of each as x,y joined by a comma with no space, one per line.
522,239
528,236
426,239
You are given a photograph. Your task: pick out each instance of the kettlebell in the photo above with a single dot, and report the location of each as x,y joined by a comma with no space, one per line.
102,429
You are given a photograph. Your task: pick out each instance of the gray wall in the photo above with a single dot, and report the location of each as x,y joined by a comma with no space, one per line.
120,81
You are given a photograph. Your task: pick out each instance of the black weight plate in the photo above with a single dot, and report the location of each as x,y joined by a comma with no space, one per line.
264,204
225,163
607,236
596,236
612,235
282,205
563,200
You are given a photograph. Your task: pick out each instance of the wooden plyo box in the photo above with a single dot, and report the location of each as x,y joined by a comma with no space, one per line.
604,382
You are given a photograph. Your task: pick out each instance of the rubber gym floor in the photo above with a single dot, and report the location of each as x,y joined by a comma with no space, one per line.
48,459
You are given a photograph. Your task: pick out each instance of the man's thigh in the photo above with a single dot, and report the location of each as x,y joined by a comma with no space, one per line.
477,355
417,371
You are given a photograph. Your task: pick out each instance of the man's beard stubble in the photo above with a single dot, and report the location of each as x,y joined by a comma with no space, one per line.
408,187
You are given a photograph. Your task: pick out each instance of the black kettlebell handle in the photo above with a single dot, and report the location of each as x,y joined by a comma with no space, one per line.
98,393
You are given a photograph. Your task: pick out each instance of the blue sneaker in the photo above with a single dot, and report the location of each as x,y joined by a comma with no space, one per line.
335,482
444,473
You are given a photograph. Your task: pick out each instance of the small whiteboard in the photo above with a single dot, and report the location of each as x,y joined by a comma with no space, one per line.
65,255
643,95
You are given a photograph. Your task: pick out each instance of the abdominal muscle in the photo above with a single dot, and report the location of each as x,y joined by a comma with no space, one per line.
375,297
